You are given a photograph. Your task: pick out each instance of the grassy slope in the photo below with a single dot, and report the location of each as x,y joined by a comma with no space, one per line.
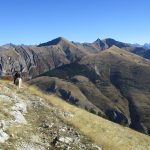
108,135
45,122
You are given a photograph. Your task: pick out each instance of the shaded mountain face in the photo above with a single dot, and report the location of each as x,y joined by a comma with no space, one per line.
100,45
104,77
130,75
34,60
107,43
141,52
29,60
115,81
64,89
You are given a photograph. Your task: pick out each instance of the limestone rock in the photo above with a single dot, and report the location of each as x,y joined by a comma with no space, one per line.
66,140
3,136
18,116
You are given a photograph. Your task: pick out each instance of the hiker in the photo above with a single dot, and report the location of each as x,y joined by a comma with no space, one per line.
17,79
17,75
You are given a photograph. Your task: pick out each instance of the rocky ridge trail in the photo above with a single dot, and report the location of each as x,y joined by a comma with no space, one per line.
27,122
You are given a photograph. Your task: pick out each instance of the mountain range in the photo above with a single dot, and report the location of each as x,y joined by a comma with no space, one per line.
107,77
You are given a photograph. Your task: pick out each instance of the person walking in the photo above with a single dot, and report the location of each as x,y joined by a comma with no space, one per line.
17,75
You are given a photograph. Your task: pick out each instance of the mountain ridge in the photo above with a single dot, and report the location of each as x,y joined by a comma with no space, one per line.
111,78
105,72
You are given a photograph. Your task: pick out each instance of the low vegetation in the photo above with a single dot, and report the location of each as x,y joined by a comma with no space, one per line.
108,135
104,133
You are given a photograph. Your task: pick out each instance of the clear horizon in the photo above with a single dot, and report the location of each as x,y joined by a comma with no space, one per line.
72,41
32,22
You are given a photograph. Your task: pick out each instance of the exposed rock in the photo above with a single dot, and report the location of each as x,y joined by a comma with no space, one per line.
3,136
96,147
66,140
20,106
2,124
18,117
5,98
30,146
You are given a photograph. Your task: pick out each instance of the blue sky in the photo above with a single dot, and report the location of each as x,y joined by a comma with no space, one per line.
37,21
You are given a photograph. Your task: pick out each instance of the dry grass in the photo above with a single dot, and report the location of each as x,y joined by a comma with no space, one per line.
3,113
108,135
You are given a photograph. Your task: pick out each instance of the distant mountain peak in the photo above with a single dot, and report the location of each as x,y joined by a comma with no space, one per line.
98,40
54,42
99,44
9,44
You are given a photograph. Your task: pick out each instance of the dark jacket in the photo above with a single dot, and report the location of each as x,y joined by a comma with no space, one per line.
17,75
